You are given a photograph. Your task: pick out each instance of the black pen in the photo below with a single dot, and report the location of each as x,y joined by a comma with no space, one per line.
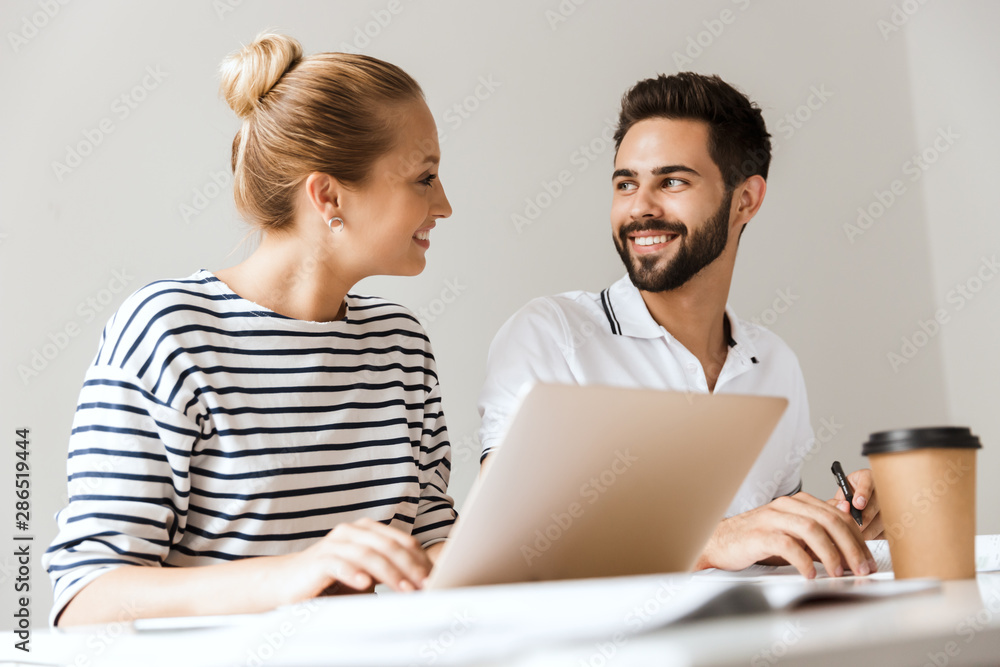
845,486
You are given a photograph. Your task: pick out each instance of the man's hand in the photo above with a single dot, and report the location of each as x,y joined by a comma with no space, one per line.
865,499
799,529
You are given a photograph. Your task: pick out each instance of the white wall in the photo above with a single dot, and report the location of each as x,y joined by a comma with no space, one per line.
555,85
954,68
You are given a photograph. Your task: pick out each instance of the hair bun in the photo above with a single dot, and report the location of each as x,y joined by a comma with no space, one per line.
248,74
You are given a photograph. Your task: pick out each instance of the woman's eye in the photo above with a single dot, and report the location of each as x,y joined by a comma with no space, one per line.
429,180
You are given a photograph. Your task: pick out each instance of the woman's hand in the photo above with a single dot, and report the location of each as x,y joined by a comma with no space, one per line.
351,558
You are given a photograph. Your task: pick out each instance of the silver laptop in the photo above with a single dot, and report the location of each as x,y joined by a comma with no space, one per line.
595,481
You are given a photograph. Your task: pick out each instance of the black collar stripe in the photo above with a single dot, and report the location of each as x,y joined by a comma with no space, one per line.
616,328
732,343
610,313
613,316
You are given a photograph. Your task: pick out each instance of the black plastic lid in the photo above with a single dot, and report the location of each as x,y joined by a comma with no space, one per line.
907,439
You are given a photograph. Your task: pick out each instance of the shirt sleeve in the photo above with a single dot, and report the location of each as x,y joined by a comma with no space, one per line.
436,509
532,346
128,483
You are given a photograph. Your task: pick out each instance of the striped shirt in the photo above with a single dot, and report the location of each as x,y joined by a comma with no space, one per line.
211,429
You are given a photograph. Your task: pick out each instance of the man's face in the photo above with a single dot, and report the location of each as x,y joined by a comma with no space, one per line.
670,209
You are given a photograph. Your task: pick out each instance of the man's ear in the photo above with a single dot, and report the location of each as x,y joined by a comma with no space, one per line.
747,199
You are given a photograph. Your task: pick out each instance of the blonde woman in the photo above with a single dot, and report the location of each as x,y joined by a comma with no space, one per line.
259,435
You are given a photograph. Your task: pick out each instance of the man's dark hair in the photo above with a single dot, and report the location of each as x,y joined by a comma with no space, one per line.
738,141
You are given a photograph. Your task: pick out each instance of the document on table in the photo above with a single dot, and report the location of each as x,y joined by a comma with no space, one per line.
454,626
987,553
494,622
987,560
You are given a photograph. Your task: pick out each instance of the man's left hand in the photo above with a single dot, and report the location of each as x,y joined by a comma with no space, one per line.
866,500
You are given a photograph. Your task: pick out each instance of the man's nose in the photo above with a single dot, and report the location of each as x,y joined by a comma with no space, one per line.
644,205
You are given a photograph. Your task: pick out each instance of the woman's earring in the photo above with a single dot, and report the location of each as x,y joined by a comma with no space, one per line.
333,220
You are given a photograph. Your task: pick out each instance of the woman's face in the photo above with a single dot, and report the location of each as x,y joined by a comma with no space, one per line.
389,219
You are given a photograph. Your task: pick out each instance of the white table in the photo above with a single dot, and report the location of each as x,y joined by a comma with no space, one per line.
959,624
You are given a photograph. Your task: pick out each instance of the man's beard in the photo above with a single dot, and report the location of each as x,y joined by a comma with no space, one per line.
696,251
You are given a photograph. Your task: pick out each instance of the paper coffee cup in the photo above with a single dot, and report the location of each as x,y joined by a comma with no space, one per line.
925,479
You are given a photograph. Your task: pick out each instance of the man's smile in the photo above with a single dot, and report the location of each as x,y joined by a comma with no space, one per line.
650,241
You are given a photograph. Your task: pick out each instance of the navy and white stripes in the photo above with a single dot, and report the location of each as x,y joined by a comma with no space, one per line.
210,429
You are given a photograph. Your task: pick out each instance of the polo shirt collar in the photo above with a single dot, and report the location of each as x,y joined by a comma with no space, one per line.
628,316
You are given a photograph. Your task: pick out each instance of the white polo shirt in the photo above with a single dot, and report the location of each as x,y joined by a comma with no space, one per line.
611,339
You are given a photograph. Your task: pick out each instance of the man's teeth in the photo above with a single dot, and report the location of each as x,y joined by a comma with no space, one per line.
423,235
650,240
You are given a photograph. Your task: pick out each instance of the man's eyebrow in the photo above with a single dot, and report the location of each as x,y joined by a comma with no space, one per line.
659,171
673,169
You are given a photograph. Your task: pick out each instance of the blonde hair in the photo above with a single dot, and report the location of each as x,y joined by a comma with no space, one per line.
328,112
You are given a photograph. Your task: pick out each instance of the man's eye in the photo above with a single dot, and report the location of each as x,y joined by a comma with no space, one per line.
429,180
625,185
673,182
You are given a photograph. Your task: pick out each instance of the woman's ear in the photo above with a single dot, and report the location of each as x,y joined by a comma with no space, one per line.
324,193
